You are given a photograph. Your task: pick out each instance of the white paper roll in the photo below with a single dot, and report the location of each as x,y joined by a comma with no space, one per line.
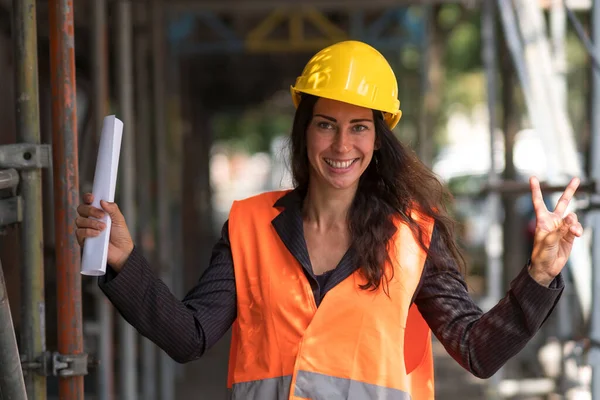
95,249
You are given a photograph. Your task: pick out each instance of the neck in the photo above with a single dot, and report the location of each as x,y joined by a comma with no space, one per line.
327,208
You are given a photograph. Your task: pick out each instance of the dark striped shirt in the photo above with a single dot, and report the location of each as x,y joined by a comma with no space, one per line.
185,329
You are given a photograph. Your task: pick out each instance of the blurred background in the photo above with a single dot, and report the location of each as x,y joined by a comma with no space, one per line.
492,92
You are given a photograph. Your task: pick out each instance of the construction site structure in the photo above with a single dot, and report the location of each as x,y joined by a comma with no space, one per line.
158,49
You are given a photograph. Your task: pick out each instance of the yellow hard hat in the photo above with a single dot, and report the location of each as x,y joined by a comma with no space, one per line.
352,72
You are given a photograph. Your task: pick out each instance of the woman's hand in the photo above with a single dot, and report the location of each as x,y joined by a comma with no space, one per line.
554,234
120,245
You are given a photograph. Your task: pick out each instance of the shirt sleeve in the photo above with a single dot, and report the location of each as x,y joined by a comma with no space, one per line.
482,342
186,328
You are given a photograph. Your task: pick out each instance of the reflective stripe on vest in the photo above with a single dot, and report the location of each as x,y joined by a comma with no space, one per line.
314,386
271,388
358,344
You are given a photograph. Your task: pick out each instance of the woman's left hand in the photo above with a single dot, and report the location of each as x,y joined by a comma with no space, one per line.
554,234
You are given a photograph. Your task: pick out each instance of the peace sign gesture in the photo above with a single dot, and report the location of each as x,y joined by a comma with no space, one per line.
554,233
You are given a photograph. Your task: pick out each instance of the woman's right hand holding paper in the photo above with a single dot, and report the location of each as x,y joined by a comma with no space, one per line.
120,244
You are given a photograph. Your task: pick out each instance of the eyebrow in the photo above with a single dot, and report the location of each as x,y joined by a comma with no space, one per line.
352,121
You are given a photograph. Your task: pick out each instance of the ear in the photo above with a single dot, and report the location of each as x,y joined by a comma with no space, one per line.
377,143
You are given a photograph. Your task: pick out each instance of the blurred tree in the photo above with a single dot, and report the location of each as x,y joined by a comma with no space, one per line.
447,71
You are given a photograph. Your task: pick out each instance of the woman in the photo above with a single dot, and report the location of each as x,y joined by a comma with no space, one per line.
334,287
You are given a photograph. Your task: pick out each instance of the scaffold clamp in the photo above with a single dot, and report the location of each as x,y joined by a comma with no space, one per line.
25,156
69,364
60,365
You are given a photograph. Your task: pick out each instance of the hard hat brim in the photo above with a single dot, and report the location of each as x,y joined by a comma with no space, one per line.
391,117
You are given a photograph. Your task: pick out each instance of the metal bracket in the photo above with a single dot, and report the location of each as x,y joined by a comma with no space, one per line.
11,210
9,179
70,364
61,365
25,156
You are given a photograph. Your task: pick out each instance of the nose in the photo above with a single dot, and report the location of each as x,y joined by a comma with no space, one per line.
341,143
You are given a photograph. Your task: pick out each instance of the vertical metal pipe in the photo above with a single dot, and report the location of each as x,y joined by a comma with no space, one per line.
163,235
66,188
558,29
177,242
146,235
494,241
12,385
105,315
489,58
594,218
422,132
540,119
127,334
33,337
100,65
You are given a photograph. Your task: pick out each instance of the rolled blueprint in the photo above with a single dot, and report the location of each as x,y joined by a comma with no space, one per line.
95,249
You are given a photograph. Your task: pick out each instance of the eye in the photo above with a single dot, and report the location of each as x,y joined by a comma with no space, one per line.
359,128
324,125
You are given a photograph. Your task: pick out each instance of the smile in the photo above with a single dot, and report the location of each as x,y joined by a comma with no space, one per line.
340,164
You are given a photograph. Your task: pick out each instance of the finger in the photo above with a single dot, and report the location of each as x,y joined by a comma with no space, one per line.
88,198
82,222
536,196
83,233
80,240
566,223
576,230
89,211
571,218
564,231
113,210
566,197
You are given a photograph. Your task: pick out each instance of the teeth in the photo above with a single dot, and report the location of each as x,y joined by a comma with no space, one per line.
339,164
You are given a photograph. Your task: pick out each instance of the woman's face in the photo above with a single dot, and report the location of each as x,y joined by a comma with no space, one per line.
340,143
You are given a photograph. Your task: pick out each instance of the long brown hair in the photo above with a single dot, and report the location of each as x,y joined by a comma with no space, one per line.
393,183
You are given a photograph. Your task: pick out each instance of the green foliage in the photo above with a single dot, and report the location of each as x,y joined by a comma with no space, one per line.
577,83
252,130
463,51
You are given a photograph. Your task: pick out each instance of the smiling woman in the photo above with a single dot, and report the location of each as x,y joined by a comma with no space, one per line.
346,154
333,289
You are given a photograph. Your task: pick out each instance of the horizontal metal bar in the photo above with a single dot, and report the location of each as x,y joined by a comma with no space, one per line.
236,7
9,178
518,187
323,5
61,365
209,48
25,156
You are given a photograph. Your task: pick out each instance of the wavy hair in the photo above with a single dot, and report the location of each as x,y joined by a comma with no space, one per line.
392,185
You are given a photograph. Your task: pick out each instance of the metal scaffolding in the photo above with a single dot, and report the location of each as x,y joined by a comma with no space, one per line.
66,199
164,240
33,334
127,334
104,310
146,236
543,86
594,215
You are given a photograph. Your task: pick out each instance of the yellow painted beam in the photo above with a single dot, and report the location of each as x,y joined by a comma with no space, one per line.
266,26
258,39
296,28
286,46
328,28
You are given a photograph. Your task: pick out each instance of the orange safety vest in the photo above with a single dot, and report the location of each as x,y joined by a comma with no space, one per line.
358,344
